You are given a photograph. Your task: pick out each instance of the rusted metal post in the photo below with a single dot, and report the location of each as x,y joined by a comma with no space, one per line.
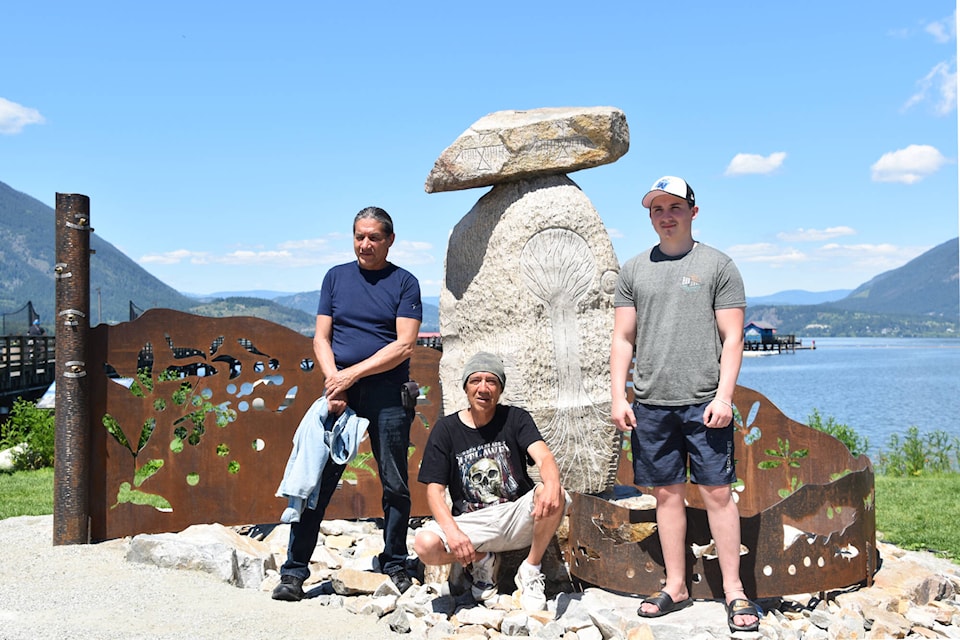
71,508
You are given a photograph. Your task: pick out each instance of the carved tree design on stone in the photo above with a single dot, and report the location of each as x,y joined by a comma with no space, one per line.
558,267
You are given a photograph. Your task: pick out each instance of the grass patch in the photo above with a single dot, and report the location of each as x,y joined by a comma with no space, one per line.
920,513
26,493
916,513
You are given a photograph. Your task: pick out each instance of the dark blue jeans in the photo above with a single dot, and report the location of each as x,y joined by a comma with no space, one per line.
389,431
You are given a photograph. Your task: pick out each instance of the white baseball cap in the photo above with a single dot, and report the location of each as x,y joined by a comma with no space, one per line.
671,185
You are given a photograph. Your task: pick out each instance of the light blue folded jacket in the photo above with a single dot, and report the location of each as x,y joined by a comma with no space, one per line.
313,445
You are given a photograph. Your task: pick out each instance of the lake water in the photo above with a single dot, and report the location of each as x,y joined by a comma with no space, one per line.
877,386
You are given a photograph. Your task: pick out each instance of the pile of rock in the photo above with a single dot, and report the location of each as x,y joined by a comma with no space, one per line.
915,595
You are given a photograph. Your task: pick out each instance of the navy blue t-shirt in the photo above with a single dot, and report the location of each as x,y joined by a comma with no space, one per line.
365,306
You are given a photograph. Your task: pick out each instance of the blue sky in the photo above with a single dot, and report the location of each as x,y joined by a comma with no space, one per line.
227,146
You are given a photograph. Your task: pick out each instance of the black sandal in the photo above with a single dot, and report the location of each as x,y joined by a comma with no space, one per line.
665,603
742,607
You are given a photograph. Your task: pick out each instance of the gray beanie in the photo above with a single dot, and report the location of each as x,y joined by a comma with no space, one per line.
487,362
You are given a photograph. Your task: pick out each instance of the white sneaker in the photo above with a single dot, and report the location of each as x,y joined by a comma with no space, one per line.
483,577
530,590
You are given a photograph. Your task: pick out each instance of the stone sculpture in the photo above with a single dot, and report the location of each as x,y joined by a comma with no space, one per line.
510,145
530,273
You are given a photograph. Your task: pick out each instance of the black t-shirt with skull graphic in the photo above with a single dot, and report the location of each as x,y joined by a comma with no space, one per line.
482,466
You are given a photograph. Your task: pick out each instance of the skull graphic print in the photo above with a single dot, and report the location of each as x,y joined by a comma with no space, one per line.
485,480
487,475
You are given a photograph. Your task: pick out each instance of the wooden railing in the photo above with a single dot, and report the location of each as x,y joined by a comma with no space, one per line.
27,364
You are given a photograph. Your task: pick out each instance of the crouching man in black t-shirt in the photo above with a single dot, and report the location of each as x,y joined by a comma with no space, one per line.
480,454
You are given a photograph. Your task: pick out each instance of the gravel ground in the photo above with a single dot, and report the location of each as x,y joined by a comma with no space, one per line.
80,592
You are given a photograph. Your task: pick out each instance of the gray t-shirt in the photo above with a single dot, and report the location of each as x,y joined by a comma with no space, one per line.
678,345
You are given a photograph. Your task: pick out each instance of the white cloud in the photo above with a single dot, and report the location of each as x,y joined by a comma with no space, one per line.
307,244
411,252
14,117
176,257
873,258
766,253
940,86
427,283
749,163
852,250
909,165
831,265
943,31
291,254
414,245
948,93
815,235
244,257
283,259
256,257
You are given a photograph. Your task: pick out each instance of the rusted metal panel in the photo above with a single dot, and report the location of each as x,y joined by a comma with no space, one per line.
213,440
210,443
806,514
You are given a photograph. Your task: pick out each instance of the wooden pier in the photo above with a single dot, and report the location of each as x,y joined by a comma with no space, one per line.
774,344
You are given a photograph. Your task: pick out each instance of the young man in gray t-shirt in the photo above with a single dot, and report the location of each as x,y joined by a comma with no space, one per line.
680,307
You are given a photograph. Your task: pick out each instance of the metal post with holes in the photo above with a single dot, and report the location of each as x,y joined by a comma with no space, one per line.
71,506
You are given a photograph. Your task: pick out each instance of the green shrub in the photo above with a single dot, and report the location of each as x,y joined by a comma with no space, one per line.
856,443
34,428
920,454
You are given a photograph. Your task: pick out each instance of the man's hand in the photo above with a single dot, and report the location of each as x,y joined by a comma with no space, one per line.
548,500
457,542
622,414
337,384
718,414
549,497
336,404
460,546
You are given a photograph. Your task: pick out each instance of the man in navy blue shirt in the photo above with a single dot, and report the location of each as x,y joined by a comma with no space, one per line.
367,324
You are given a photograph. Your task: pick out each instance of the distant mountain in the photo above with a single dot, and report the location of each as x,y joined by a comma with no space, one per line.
308,301
928,285
295,319
431,317
921,298
799,296
266,294
27,235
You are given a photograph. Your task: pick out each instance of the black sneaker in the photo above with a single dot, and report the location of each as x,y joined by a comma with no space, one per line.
400,578
290,589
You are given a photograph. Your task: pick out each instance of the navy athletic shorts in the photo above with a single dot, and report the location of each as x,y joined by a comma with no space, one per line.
666,438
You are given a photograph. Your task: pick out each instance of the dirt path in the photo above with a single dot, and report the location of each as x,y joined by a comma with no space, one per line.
80,592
